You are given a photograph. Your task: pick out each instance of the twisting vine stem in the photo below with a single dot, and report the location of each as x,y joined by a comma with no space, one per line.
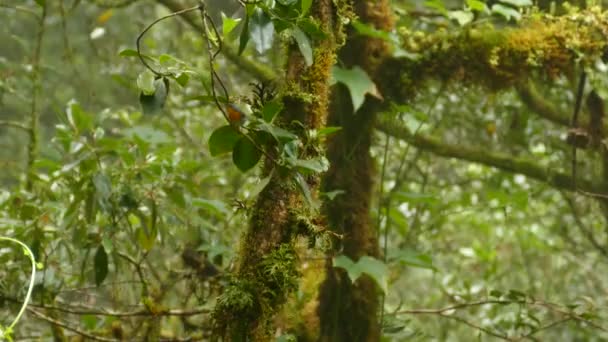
6,333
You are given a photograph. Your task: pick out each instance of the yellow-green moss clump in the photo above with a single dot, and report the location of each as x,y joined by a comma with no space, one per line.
497,58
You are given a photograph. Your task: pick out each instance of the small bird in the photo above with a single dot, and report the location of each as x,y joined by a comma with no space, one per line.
236,117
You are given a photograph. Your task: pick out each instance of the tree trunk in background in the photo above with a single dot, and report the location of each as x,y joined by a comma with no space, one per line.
267,268
349,312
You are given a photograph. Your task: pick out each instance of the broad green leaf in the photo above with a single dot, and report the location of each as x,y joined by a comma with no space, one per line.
305,190
374,268
312,29
517,3
245,154
277,132
358,83
437,5
506,11
287,2
148,134
414,259
271,109
477,5
370,31
304,45
78,118
216,207
305,5
128,53
183,79
261,31
315,165
145,82
325,131
222,140
100,265
41,3
228,24
462,17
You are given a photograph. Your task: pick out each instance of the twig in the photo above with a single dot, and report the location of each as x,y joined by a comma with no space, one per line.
70,328
141,35
14,124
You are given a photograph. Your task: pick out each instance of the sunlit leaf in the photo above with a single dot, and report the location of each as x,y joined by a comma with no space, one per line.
358,83
304,45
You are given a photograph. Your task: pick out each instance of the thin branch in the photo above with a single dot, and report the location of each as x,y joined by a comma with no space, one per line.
14,124
497,160
70,328
537,103
21,9
259,71
141,35
583,228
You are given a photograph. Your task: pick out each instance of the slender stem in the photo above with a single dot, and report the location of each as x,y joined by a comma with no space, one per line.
34,114
30,255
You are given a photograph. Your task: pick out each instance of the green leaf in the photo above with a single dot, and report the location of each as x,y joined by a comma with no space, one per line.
145,82
286,338
477,5
462,17
358,83
228,24
183,79
128,53
315,165
370,31
326,131
214,206
517,3
414,259
245,154
287,2
222,140
101,265
244,37
78,118
304,45
374,268
305,190
262,31
148,134
41,3
271,109
506,11
437,5
305,5
277,132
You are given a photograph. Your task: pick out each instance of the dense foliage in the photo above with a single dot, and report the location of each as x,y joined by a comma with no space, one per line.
252,170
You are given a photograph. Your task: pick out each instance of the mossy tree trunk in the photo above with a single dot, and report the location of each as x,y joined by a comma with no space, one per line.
347,311
267,268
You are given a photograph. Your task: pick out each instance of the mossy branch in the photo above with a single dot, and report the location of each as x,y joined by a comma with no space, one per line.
257,70
497,160
538,104
496,57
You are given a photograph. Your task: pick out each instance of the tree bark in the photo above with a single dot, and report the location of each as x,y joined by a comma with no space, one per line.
348,311
267,269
